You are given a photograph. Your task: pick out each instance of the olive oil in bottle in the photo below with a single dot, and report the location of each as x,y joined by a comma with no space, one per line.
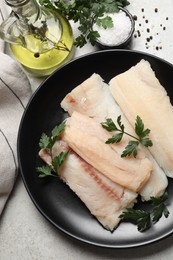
40,39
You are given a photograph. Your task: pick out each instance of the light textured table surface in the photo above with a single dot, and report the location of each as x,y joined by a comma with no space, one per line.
24,233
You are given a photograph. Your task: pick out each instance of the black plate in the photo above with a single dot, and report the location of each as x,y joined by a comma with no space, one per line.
53,198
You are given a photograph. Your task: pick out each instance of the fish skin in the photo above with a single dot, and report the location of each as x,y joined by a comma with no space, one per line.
140,87
94,99
104,199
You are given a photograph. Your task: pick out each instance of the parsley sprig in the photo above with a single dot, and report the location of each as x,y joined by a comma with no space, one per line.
86,13
132,146
144,219
139,217
47,143
159,207
52,170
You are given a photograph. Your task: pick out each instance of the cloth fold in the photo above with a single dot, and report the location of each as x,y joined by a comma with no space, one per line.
15,92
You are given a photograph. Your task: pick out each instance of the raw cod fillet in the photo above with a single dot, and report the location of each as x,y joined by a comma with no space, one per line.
87,138
93,98
104,198
138,91
157,183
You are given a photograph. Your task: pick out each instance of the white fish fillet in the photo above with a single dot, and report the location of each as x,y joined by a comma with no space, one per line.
138,91
157,183
105,199
87,138
93,98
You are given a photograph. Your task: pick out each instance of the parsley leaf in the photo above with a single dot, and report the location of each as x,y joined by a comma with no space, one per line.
86,13
115,139
132,146
139,217
144,219
146,142
139,128
44,141
80,41
58,160
47,142
159,207
109,125
120,124
111,6
92,35
105,22
45,171
57,130
52,170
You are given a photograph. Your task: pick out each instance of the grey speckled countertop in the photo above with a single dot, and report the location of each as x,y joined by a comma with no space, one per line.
24,233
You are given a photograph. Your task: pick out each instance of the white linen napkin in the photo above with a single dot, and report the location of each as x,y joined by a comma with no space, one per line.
15,92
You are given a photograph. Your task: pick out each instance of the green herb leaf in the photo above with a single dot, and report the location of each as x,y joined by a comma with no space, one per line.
139,217
44,141
92,36
120,124
52,170
111,6
97,8
48,142
146,142
131,148
86,13
159,207
144,219
109,125
58,160
115,139
139,128
80,41
56,132
105,22
45,171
